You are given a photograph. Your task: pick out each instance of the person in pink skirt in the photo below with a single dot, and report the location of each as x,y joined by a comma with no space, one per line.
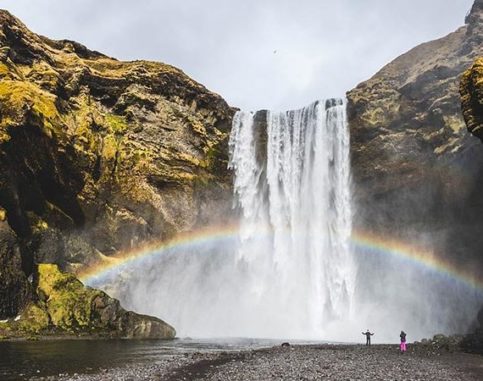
403,341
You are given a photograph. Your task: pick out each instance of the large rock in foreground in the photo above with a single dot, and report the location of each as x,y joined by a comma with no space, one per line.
64,306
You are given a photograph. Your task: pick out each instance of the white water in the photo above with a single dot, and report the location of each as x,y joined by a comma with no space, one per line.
298,193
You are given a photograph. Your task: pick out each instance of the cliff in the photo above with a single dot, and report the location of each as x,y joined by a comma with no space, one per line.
98,155
471,90
416,169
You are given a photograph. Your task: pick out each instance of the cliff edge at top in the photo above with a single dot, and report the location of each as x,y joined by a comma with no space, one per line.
410,109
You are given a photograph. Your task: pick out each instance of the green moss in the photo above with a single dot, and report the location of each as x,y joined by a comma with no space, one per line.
4,70
116,124
34,320
15,95
68,301
42,74
110,147
197,126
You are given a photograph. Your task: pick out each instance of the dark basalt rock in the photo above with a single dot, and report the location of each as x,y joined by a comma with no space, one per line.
14,286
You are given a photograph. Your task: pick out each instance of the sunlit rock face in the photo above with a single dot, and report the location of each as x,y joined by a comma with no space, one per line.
99,155
471,90
417,171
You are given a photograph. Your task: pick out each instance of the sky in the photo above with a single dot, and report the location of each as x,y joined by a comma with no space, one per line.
257,54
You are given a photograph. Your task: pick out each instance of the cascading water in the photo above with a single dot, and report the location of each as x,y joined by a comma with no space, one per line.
296,190
289,273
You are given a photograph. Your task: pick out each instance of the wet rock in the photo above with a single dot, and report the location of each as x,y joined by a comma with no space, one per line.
65,306
408,114
409,142
14,286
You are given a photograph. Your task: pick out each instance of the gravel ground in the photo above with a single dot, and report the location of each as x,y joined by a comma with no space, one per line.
327,362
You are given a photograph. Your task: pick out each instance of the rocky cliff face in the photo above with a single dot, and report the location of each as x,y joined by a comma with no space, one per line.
471,90
98,155
415,166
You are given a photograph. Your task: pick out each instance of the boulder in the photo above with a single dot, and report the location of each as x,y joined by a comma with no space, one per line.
64,306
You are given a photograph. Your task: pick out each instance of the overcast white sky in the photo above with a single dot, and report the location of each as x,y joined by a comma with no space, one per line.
257,54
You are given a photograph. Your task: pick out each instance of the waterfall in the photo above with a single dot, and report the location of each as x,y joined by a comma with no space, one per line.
292,186
289,273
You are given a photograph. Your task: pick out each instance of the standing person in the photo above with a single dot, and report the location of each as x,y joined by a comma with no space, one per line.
403,341
368,335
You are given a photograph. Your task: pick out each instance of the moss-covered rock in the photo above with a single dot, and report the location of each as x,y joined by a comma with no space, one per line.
99,155
64,306
34,320
471,90
67,301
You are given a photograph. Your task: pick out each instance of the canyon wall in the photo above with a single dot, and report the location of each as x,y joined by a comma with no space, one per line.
417,171
98,156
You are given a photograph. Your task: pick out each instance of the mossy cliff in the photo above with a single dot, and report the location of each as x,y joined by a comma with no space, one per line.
64,306
98,156
417,171
471,89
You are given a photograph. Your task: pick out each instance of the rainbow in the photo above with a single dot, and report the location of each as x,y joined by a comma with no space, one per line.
361,240
110,264
419,256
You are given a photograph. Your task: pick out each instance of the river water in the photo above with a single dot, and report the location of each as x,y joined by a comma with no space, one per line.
21,360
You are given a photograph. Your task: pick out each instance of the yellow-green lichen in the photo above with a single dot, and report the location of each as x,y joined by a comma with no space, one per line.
116,124
16,95
68,301
110,147
34,320
4,70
